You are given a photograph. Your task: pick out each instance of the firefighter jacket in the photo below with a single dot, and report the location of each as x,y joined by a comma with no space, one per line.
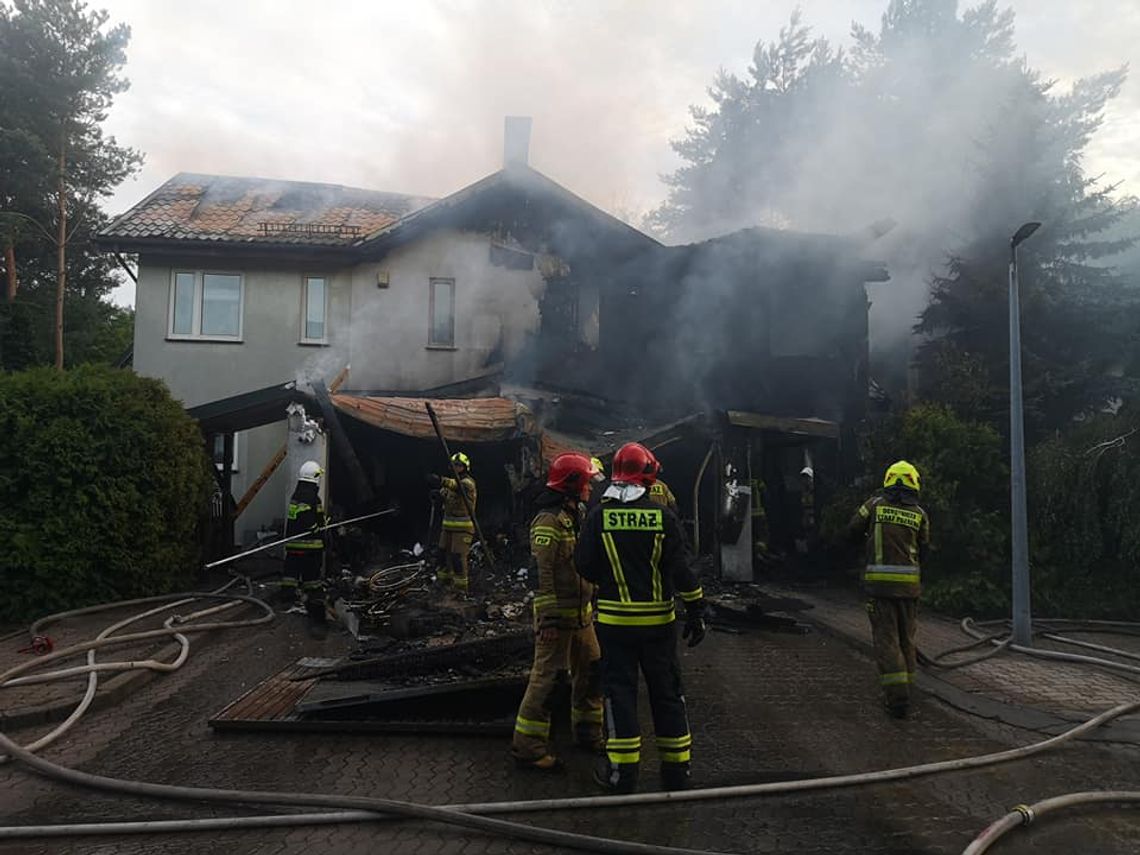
455,516
897,533
662,495
305,515
563,599
635,552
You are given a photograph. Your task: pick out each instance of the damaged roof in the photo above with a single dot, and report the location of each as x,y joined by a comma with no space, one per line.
225,212
462,420
527,185
247,410
225,209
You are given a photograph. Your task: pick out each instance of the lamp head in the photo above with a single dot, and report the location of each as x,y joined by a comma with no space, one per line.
1023,233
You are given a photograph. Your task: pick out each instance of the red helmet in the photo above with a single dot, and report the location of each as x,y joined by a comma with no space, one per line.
571,473
635,464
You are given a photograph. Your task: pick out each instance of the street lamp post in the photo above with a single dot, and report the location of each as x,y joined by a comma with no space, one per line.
1022,621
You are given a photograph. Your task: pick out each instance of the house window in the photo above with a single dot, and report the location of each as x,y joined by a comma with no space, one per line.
441,310
315,309
220,451
183,323
206,305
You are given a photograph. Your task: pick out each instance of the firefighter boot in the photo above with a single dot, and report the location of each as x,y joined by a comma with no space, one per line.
318,619
676,776
897,708
616,778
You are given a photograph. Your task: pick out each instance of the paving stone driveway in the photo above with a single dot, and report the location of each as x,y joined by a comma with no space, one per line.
763,707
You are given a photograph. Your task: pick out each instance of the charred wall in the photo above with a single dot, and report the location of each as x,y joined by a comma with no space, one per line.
738,323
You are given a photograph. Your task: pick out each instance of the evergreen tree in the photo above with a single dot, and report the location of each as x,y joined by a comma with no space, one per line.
933,120
59,73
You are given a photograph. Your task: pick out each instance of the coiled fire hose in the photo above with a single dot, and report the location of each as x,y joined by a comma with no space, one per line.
468,815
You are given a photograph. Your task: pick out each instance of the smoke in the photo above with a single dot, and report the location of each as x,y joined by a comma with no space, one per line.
410,97
387,331
920,122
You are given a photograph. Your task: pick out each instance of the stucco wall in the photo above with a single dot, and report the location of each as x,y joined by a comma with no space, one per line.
390,325
201,371
382,332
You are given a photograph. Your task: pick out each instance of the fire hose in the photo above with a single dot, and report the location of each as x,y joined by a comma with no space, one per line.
475,815
175,627
1026,814
106,638
468,815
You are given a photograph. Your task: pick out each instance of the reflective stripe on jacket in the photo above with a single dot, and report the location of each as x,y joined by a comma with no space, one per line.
636,554
895,532
455,516
563,597
305,515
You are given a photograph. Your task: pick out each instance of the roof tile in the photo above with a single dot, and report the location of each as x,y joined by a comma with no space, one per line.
193,207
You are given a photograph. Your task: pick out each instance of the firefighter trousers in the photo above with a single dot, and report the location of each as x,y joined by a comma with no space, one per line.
455,544
304,569
894,624
653,651
573,654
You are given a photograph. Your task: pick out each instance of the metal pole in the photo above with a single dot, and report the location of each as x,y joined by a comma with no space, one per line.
1022,620
293,537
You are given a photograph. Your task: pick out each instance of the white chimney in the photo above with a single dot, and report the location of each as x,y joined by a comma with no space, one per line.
516,141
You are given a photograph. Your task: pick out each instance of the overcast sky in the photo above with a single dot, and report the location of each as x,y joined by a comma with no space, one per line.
410,96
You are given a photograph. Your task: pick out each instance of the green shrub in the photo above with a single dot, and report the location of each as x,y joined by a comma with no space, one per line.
105,485
1084,504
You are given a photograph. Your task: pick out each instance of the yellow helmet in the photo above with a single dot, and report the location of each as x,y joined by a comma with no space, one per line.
903,474
461,459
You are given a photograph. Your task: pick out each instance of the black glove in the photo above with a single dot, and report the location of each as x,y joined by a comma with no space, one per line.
433,480
436,496
695,627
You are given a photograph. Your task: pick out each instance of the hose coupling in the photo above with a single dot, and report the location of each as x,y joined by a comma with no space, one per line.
1027,813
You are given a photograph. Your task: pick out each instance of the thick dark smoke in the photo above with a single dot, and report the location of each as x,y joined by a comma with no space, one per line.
909,123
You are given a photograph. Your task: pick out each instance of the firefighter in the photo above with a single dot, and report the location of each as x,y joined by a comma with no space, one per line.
761,557
897,534
633,549
563,622
458,527
304,557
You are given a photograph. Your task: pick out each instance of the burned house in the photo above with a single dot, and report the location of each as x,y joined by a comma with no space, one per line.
536,321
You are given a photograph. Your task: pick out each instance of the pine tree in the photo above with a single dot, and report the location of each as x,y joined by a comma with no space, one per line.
935,121
59,74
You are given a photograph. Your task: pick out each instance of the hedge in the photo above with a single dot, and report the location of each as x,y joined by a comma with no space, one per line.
104,487
1084,518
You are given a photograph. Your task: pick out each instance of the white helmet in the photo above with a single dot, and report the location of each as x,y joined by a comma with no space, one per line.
311,471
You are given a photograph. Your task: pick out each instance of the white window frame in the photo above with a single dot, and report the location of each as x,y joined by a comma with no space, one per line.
305,308
221,437
195,333
432,283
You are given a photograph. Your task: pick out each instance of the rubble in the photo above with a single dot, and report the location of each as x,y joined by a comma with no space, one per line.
739,607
